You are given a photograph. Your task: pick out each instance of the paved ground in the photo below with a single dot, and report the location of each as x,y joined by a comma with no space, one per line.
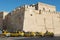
29,38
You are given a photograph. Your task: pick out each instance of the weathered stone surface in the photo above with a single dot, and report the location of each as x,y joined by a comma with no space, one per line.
35,18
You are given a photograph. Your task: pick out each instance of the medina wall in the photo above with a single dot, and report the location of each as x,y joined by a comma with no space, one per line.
28,19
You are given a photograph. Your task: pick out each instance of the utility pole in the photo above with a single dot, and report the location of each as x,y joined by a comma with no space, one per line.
53,24
45,24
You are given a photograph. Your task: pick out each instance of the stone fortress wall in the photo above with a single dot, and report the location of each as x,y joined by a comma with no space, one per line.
36,18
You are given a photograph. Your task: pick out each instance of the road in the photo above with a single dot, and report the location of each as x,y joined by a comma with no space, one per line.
29,38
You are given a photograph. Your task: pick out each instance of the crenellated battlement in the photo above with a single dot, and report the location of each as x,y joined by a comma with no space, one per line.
38,7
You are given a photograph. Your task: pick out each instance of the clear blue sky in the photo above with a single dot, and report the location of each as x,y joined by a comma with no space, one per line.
9,5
